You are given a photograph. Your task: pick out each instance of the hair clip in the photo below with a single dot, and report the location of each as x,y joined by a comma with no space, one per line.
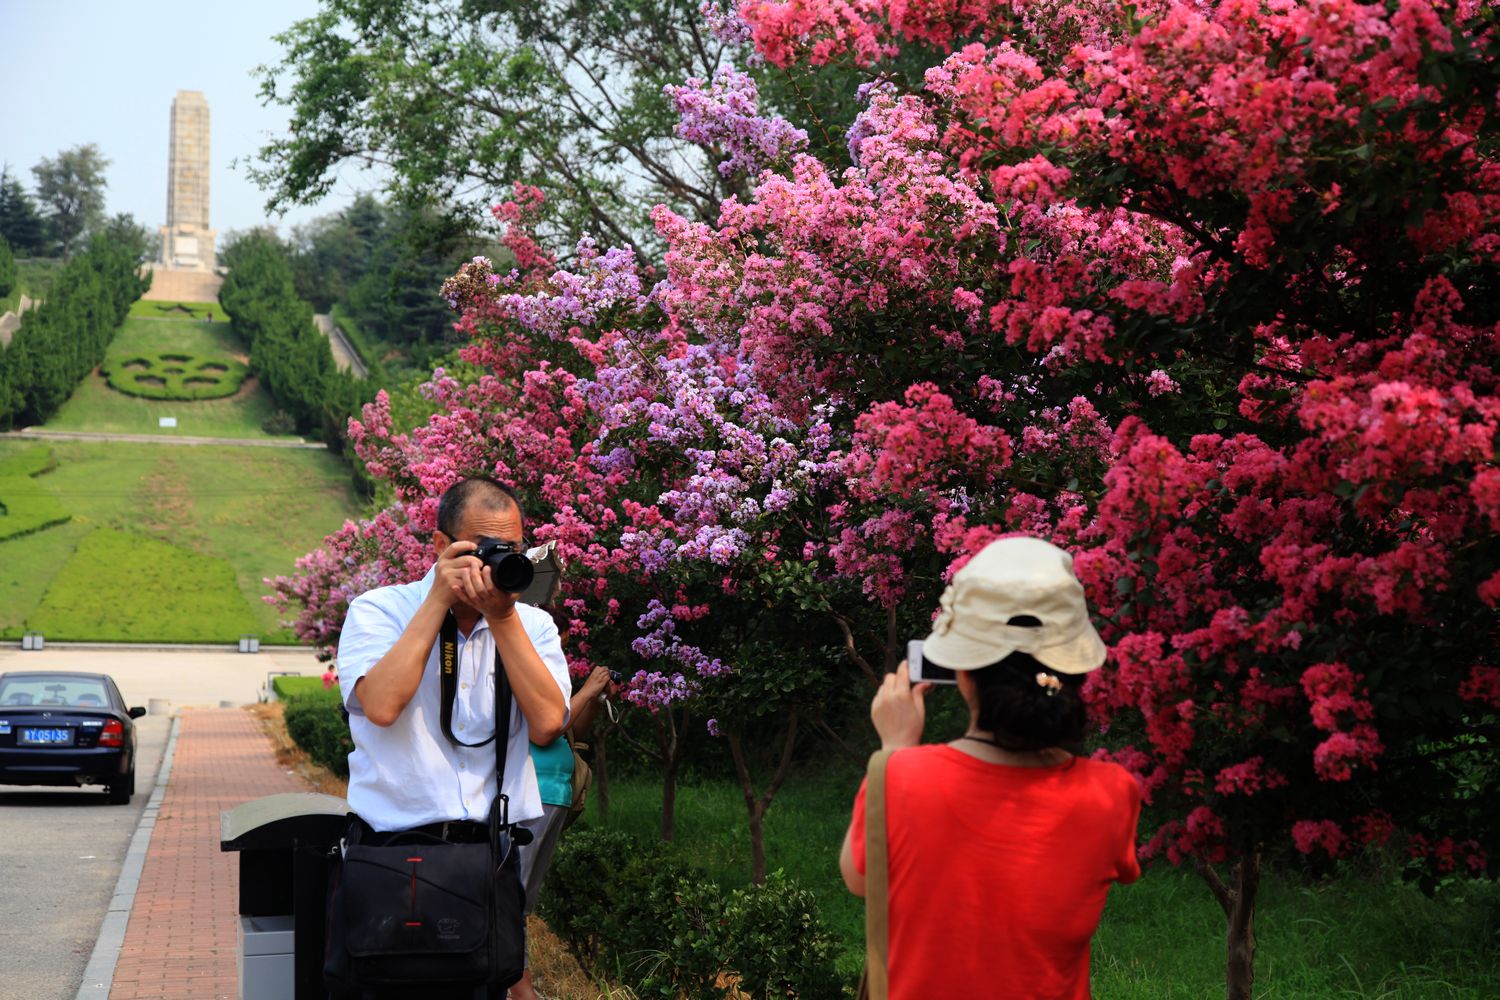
1049,683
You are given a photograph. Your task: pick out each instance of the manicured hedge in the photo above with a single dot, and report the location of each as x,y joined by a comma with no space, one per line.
63,339
314,721
174,375
24,506
287,687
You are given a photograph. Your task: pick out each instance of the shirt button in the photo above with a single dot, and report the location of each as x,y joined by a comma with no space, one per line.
465,685
460,725
462,766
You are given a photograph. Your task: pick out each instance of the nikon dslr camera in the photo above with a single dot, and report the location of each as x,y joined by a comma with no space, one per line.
534,574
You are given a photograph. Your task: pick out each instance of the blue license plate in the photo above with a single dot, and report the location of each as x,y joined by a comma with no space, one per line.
46,737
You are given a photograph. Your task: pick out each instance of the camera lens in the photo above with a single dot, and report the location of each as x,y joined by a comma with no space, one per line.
510,570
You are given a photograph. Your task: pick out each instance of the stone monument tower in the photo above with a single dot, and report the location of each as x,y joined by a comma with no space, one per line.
186,241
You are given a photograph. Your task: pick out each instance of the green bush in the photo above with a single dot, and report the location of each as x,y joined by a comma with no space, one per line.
174,375
314,722
25,507
279,423
778,943
627,909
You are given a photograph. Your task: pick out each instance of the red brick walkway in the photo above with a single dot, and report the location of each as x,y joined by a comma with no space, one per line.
180,942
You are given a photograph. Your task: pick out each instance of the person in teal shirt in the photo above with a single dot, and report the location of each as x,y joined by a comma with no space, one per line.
554,778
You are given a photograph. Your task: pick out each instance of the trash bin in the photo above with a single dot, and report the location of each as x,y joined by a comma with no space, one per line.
285,843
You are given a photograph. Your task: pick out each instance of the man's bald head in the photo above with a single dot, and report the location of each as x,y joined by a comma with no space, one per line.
488,494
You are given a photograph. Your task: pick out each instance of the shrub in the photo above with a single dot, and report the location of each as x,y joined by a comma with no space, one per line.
626,908
596,896
315,724
279,423
778,944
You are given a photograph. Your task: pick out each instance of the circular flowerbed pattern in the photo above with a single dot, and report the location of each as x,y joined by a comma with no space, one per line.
173,375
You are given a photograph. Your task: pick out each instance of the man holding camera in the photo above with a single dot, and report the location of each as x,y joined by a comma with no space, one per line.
405,772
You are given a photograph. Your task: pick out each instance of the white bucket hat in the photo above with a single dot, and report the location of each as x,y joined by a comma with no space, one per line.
1010,578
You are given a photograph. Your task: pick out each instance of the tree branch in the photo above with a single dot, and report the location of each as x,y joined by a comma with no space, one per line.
1215,885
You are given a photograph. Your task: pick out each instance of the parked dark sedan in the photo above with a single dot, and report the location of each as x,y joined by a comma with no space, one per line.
64,728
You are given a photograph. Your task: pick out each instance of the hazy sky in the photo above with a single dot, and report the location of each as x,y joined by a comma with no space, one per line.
105,71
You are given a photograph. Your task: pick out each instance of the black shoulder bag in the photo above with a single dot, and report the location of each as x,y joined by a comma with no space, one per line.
413,914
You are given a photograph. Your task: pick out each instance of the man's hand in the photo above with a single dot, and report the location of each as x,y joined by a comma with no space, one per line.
899,711
461,578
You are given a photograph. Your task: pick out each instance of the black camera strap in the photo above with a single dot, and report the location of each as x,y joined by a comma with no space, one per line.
448,674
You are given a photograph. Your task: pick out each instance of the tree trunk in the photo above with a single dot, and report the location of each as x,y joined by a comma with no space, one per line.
1240,973
1238,904
756,805
601,774
669,738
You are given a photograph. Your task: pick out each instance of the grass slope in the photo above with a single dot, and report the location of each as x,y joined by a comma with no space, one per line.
254,510
94,406
124,587
1161,939
24,506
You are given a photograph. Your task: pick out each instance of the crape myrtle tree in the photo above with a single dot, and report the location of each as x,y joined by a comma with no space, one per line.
1299,585
661,471
1200,291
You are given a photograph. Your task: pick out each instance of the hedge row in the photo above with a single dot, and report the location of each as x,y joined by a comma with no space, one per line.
315,724
64,338
287,351
630,911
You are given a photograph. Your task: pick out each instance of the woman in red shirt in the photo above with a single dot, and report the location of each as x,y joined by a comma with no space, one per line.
1002,843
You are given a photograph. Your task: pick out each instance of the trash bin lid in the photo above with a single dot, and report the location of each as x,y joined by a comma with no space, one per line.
280,821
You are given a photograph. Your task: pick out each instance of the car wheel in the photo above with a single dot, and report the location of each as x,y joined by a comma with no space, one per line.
121,789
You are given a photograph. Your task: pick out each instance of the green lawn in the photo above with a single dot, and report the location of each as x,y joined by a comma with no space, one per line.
246,512
176,310
94,406
1160,939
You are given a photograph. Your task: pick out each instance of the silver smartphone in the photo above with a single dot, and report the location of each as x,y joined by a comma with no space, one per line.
920,671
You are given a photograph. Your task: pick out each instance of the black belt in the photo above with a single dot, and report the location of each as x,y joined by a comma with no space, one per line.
454,831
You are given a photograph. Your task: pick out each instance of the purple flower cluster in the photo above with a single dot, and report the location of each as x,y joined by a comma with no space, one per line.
724,116
725,22
599,282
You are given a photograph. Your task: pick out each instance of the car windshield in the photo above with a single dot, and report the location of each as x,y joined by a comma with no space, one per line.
70,692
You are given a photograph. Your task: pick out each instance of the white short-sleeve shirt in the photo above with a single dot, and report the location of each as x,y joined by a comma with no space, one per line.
408,773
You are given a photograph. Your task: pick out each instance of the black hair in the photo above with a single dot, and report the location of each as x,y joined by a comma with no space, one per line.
1024,715
491,493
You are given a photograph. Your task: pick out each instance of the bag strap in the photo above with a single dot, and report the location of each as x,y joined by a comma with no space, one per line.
877,880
